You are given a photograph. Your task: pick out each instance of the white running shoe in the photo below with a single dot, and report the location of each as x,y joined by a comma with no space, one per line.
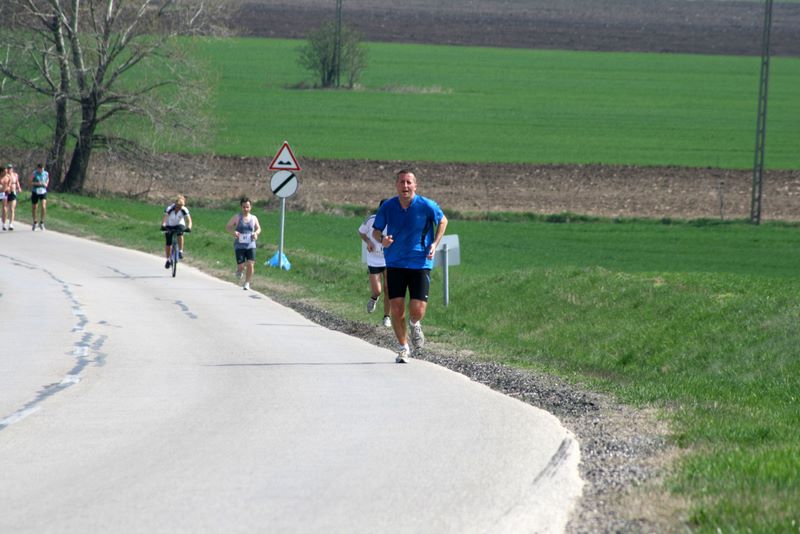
371,303
41,227
403,355
11,226
417,337
239,274
33,227
387,321
4,227
246,286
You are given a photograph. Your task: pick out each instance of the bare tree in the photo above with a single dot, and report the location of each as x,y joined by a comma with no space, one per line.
319,55
110,74
354,59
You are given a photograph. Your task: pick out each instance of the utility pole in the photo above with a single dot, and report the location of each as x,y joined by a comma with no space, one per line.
337,47
761,125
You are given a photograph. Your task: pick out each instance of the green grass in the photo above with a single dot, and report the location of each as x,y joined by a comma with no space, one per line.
699,319
440,103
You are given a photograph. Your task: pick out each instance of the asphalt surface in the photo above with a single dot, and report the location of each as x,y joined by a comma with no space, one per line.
135,402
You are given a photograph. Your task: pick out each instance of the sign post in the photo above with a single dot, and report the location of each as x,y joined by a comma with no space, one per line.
283,184
447,253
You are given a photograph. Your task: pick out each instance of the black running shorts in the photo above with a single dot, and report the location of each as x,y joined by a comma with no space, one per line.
416,281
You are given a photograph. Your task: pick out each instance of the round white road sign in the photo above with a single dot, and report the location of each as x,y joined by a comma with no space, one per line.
284,184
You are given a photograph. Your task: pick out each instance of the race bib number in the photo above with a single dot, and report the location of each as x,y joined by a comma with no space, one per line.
245,238
40,190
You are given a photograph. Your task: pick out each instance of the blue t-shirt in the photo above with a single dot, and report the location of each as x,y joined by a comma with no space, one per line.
412,229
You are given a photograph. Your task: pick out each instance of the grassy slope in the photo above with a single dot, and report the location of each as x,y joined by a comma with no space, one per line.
700,320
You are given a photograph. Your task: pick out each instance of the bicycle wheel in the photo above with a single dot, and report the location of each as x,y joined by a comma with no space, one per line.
174,255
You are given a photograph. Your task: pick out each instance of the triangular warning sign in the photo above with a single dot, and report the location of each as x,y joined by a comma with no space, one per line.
284,160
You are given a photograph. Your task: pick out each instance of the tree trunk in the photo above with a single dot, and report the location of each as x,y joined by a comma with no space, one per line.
57,156
79,165
78,168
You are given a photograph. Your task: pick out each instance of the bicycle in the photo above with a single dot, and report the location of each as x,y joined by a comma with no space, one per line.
174,250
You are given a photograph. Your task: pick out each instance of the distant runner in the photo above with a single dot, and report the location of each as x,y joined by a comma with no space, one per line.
40,180
9,188
245,228
376,266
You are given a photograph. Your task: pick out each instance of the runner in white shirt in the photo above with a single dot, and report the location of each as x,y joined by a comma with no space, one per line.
376,265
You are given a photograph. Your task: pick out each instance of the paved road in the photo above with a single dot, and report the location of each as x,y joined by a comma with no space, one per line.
134,402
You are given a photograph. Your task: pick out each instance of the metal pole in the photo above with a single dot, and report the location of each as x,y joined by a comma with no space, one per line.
337,52
446,275
280,245
761,123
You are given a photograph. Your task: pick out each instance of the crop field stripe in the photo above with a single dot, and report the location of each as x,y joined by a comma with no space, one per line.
440,103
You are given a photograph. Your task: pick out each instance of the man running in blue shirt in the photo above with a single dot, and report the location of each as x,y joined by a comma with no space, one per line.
414,226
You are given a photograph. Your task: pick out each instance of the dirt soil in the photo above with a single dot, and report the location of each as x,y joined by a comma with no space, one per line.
690,26
596,190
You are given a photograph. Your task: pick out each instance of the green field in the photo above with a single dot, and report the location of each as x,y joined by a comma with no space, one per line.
697,319
439,103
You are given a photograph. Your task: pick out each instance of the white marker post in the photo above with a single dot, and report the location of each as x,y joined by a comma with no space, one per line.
447,253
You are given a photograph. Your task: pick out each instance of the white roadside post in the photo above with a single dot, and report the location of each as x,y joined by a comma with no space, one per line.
283,184
447,253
